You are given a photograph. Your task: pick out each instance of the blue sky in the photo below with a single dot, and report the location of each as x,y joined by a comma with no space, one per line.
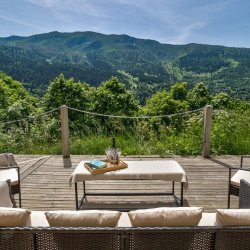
222,22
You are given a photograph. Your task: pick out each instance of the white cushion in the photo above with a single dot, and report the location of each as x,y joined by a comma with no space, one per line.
233,217
5,200
166,217
11,174
124,220
240,174
38,219
14,217
88,218
208,219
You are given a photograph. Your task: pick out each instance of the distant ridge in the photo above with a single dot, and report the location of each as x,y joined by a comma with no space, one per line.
144,65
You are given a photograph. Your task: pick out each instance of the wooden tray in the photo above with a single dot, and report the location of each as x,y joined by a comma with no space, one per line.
110,167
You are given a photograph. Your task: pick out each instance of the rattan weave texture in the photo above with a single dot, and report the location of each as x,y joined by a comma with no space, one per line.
244,195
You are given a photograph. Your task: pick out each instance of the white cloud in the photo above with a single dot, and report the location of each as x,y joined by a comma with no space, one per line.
184,35
78,6
20,22
45,3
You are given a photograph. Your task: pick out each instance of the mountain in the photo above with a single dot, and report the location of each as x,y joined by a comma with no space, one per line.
146,66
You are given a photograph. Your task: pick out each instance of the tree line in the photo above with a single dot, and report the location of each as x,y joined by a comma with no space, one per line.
110,97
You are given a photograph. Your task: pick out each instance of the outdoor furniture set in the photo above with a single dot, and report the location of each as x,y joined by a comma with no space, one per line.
157,228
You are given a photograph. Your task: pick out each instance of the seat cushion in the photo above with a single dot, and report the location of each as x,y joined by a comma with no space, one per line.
233,217
240,174
207,220
10,174
5,200
14,217
88,218
166,217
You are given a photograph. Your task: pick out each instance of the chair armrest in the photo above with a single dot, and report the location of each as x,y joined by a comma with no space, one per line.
9,167
241,159
238,168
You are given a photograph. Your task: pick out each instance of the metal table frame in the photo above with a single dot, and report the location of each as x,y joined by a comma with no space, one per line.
79,204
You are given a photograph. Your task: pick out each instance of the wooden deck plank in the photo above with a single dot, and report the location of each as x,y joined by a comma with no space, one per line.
46,187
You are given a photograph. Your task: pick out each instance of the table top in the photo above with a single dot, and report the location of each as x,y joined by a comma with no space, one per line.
167,170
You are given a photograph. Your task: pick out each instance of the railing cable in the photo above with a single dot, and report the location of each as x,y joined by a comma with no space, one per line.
29,117
135,117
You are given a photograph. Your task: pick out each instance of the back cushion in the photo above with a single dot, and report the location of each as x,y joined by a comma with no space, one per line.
91,218
166,217
14,217
233,217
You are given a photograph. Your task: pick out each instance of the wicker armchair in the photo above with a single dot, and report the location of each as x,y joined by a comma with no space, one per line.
244,195
234,181
10,170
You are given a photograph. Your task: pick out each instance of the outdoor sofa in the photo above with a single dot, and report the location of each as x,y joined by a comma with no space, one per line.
38,231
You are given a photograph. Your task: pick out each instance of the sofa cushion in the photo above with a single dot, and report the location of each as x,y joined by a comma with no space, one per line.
207,220
5,200
166,217
233,217
14,216
88,218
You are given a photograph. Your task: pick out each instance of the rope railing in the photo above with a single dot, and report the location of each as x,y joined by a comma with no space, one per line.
64,118
65,125
134,117
29,117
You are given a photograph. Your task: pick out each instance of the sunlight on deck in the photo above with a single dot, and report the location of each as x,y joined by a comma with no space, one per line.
45,184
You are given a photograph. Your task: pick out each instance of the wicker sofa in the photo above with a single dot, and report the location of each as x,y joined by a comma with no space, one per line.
205,236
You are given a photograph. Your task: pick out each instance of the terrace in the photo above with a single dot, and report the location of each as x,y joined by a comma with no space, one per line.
45,183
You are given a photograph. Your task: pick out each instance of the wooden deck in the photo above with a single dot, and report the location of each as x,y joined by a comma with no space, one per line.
45,184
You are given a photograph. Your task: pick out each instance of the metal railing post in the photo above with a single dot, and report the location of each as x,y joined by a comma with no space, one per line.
65,130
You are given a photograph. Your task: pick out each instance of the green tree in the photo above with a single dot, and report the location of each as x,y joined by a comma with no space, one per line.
199,96
179,91
221,100
15,101
112,97
163,104
67,92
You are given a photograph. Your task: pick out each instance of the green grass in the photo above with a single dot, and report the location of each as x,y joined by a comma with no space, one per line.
230,135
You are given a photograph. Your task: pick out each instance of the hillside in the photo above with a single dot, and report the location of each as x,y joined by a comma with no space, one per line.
144,65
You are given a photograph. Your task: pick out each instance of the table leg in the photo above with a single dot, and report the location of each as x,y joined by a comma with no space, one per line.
76,196
173,187
84,188
229,187
182,187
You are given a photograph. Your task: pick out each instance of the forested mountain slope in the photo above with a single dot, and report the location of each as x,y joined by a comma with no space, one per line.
146,66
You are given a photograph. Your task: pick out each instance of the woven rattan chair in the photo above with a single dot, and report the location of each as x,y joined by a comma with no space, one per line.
244,195
10,170
242,173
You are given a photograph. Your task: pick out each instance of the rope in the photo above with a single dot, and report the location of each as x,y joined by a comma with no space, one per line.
29,117
135,117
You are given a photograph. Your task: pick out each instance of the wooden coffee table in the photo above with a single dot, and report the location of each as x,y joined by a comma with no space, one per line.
166,170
